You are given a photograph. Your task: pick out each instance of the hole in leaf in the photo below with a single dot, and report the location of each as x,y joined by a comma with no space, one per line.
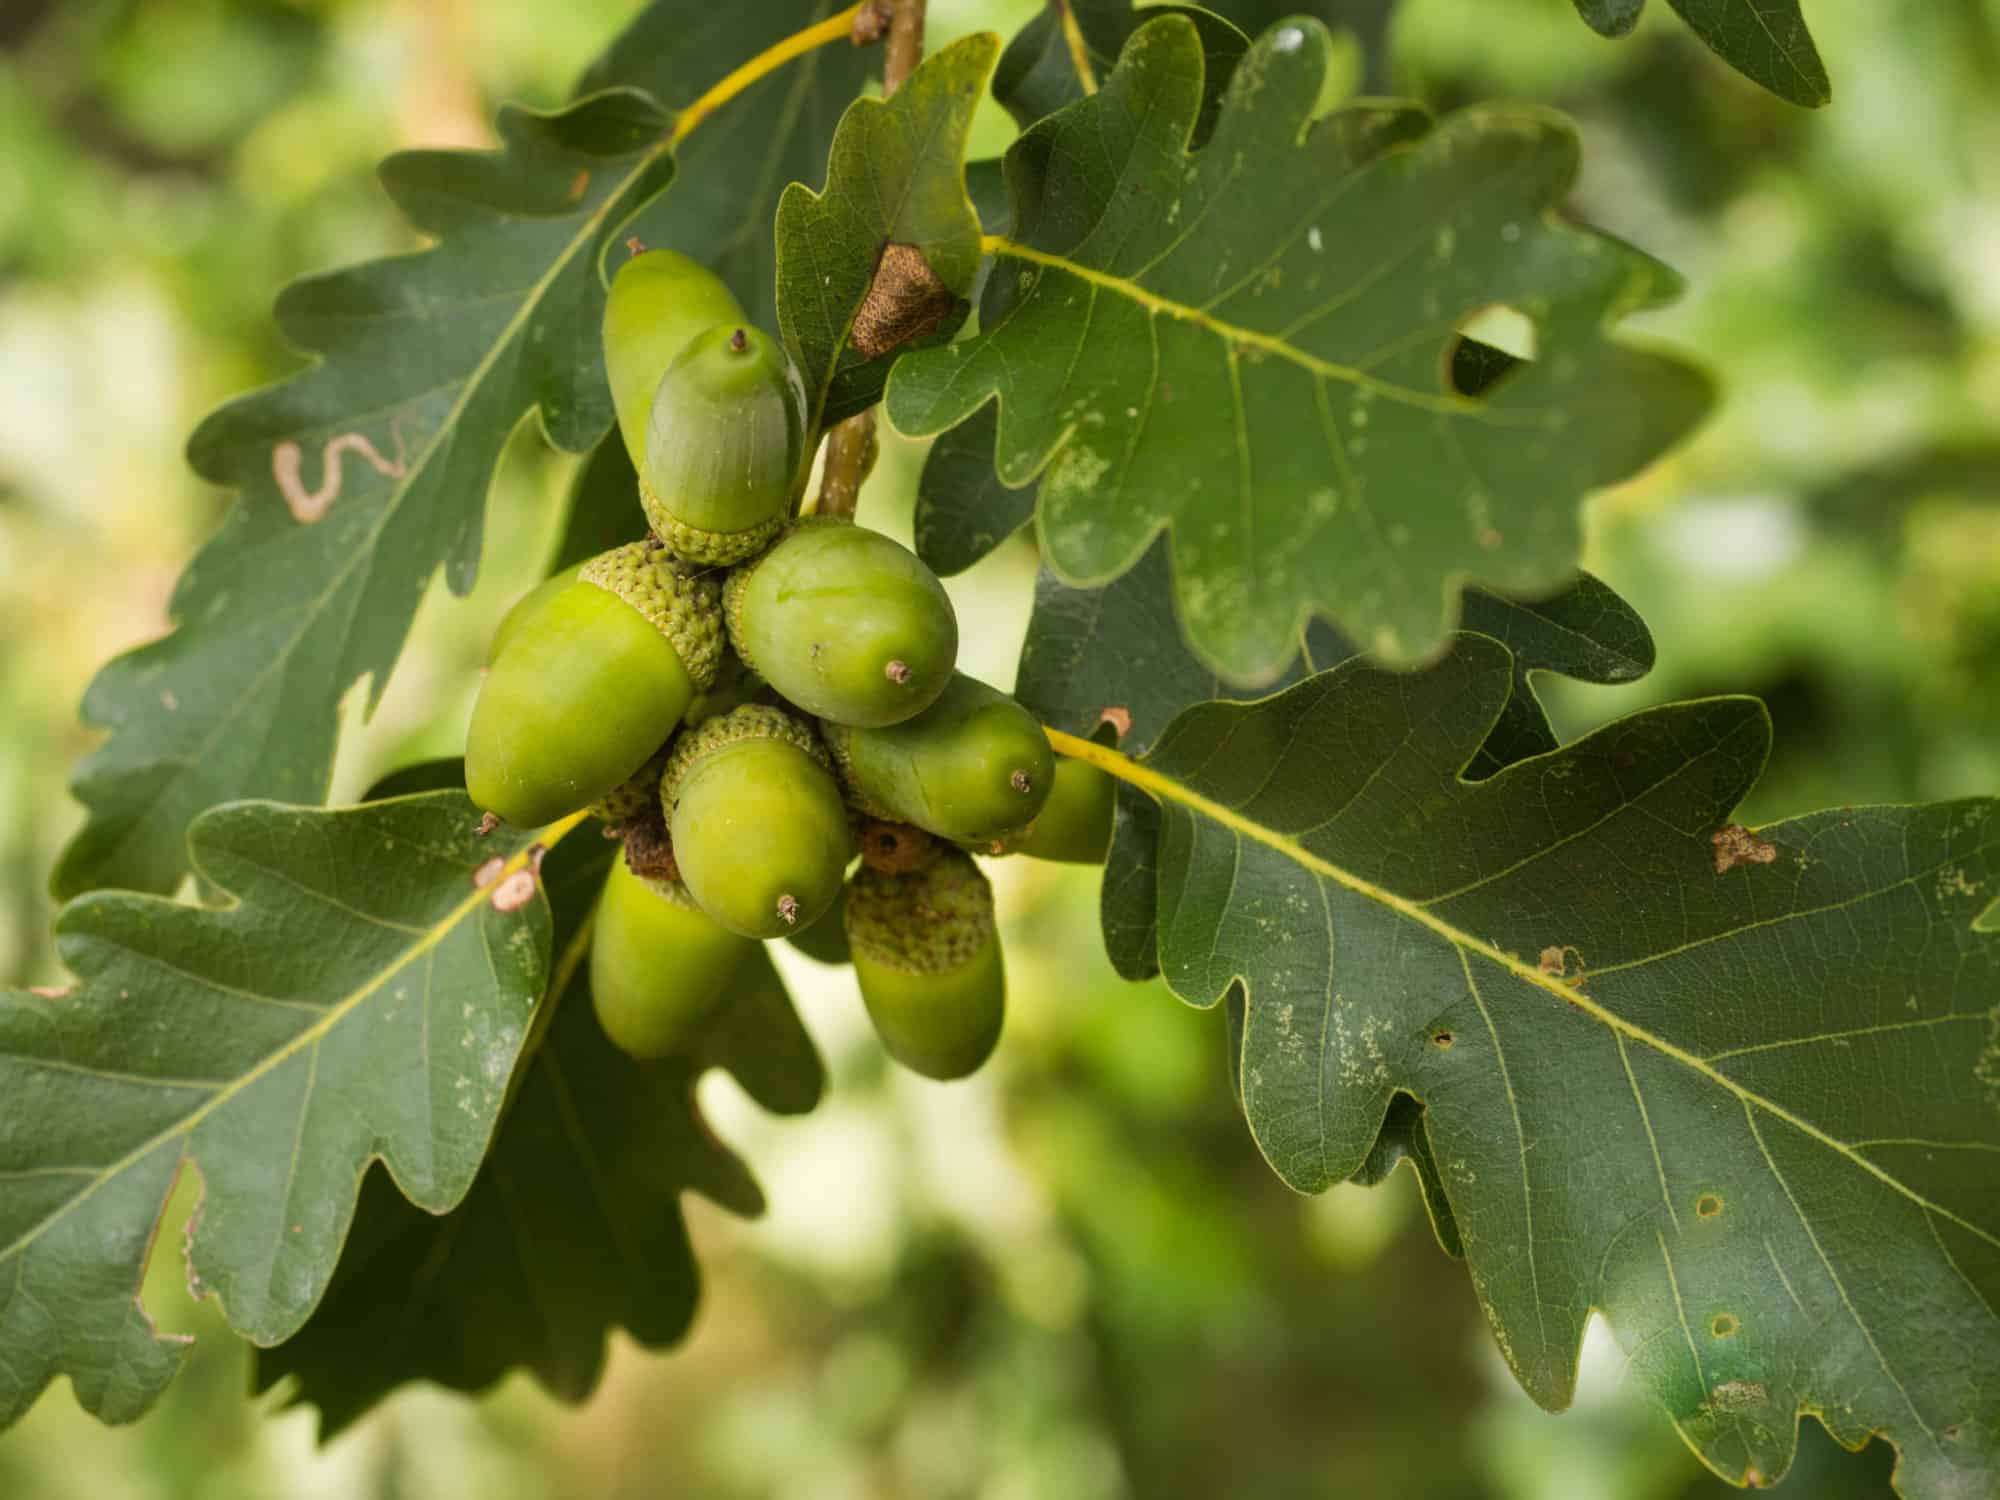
1490,344
1442,1038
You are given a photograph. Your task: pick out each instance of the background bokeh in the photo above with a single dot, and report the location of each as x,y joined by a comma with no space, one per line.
1072,1277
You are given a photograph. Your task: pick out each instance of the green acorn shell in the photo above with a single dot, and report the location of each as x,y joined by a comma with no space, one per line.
659,968
659,300
725,446
759,831
591,685
844,622
927,956
1074,825
971,768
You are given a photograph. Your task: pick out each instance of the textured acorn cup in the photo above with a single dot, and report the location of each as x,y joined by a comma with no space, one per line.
659,300
928,961
970,768
591,685
1074,825
845,623
527,607
724,446
659,968
759,829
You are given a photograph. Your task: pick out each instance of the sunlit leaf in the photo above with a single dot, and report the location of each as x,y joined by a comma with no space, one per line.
574,1225
1733,1087
1250,346
363,995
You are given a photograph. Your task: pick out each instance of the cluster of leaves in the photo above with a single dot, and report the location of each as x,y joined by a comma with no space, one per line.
1734,1088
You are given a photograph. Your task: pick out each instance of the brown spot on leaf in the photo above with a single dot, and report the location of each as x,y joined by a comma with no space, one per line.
488,872
905,301
52,991
1554,962
634,245
515,892
1724,1325
1489,539
1737,845
1735,1395
579,185
1708,1205
1118,717
1442,1039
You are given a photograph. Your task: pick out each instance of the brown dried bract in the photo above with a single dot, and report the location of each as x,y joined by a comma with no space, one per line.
1737,845
649,850
904,302
896,848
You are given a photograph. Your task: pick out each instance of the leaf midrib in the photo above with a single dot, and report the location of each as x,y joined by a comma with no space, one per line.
311,1035
1165,789
1235,333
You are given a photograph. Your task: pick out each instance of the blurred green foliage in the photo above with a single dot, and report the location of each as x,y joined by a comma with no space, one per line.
1073,1277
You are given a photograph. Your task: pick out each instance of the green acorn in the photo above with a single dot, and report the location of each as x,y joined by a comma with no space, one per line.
591,684
1074,825
759,831
725,445
659,968
845,623
928,961
972,767
825,941
658,301
528,606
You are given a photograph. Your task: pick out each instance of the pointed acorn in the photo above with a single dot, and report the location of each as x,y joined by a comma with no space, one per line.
844,622
659,968
927,957
591,685
659,300
971,768
1074,825
725,446
759,830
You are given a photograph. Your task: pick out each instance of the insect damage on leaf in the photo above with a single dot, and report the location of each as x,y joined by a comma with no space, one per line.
308,506
1736,845
905,302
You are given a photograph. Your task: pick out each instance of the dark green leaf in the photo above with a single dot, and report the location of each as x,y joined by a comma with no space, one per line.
731,170
364,996
362,475
963,509
896,176
1610,17
574,1225
1246,346
1766,41
1734,1088
1058,58
603,506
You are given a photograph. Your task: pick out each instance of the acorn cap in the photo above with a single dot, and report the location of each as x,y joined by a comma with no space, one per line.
681,602
753,721
930,921
634,797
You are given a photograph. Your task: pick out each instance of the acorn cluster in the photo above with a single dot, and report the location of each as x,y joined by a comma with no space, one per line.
758,702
